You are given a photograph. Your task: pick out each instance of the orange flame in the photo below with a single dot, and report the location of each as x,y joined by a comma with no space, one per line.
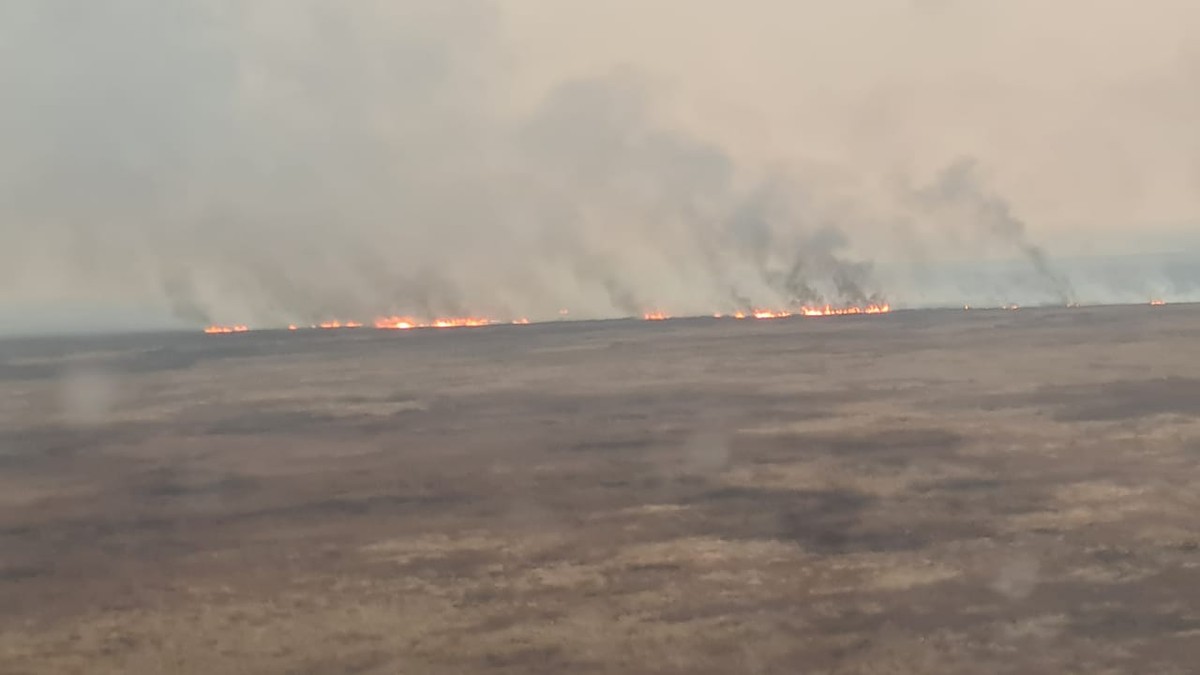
408,322
396,322
465,322
1157,303
829,310
221,330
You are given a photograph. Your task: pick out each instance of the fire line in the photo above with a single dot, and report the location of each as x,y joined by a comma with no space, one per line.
402,323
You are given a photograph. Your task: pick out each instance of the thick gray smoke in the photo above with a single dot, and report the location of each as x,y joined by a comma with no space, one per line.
339,166
291,161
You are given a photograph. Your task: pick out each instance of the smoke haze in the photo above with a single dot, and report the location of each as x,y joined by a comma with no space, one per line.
290,161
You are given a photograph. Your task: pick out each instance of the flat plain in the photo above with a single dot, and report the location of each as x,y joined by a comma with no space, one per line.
920,492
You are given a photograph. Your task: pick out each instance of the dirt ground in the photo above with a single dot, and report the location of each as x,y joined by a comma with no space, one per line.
923,492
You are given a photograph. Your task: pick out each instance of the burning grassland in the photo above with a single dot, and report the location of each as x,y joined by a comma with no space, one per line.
220,330
409,322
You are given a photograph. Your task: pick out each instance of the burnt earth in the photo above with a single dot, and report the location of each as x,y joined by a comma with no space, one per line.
922,492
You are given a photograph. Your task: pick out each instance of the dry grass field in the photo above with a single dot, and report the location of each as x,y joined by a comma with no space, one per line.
922,492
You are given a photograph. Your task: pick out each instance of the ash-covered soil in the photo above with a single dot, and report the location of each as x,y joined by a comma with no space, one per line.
923,492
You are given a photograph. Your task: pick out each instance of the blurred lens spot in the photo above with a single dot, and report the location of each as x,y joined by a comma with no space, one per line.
87,395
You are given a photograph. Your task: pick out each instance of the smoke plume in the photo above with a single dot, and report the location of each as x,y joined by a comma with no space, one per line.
293,161
959,195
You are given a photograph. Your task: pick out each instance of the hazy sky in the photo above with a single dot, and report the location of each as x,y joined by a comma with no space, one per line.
1083,110
289,160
